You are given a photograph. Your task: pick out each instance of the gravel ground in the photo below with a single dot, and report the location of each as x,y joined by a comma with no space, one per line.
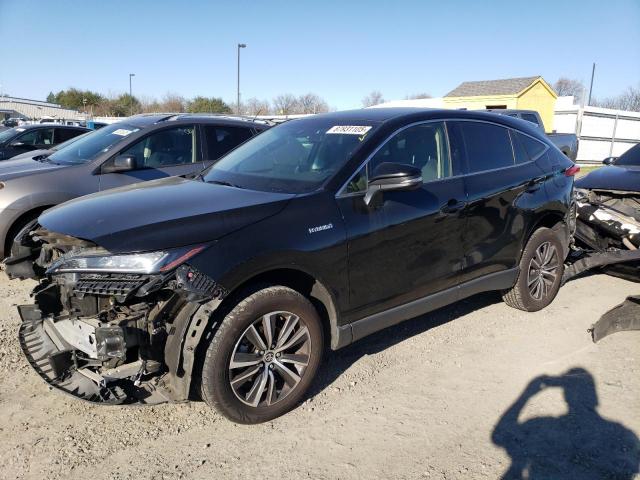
422,400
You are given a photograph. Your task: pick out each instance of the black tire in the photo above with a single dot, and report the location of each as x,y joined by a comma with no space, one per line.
232,338
524,295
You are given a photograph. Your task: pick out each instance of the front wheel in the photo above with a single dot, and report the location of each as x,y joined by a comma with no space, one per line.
541,270
263,357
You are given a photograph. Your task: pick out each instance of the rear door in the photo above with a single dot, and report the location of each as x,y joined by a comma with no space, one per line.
163,153
500,183
406,244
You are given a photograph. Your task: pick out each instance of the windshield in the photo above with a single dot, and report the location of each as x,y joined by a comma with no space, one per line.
295,157
89,147
9,134
630,157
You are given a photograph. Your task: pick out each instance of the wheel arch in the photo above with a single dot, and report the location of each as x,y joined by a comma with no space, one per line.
554,221
19,222
302,281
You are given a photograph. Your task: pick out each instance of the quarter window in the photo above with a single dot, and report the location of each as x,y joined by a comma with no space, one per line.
533,147
175,146
488,146
519,152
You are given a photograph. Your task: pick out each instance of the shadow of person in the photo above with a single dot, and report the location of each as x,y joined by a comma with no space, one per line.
578,445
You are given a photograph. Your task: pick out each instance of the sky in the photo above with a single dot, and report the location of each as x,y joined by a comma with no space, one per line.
340,50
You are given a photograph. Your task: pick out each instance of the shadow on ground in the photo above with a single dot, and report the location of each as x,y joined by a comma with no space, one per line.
579,445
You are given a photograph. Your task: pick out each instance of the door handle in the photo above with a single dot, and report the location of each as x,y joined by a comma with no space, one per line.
535,184
452,206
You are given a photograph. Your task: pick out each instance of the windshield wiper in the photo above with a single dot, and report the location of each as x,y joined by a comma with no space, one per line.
225,183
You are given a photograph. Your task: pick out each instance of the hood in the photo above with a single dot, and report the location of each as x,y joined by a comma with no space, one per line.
19,167
160,214
622,178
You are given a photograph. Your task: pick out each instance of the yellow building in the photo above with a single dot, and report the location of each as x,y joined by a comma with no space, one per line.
528,93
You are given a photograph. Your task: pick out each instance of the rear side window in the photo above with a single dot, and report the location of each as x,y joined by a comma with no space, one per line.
221,140
529,117
533,147
64,134
488,146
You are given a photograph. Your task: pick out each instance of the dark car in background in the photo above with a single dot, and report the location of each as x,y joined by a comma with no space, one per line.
18,140
319,231
138,149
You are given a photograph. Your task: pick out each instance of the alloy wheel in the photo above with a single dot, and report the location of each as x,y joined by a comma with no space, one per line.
543,270
269,359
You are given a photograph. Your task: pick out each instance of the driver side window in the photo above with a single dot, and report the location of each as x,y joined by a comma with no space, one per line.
424,146
174,146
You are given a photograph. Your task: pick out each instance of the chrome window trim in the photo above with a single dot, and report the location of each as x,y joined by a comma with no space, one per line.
343,194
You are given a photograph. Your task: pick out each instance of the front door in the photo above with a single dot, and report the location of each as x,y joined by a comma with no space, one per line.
406,244
163,153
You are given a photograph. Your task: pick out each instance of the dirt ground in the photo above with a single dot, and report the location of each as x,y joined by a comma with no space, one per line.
428,399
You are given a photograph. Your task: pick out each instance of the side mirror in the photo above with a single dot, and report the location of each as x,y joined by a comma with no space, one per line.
393,176
609,160
122,163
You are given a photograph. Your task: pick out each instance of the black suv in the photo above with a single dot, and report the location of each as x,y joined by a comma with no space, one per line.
317,232
18,140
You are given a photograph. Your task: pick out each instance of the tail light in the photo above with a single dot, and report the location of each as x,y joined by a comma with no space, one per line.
572,171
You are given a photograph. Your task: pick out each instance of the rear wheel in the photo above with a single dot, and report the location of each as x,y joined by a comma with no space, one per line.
262,359
541,270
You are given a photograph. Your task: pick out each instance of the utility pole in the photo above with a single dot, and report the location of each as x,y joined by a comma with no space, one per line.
131,95
240,45
593,72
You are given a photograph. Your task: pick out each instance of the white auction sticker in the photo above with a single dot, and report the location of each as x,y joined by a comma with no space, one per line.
122,132
20,129
349,130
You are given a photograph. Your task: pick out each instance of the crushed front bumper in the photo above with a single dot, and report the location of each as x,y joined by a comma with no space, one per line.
54,360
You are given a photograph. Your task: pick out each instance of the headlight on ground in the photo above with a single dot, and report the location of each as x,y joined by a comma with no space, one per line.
146,263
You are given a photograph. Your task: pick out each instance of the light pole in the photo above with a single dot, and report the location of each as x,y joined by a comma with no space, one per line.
240,45
593,72
131,94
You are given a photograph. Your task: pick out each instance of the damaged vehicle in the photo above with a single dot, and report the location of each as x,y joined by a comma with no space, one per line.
608,229
608,212
316,233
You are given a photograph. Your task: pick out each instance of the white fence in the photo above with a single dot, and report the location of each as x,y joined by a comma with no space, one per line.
602,132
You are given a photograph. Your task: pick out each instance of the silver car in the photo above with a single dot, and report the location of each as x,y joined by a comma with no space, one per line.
141,148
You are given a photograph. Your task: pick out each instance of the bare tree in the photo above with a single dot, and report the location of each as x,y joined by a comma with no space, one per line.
312,103
628,100
172,102
418,96
374,98
255,106
568,86
285,104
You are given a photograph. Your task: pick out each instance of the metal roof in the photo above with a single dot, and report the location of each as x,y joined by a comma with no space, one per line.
507,86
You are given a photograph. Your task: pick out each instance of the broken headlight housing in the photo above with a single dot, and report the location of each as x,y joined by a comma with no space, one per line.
144,263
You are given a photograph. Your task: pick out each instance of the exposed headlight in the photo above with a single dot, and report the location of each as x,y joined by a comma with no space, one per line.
147,263
581,194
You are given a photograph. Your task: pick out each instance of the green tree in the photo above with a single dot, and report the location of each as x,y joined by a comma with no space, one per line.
73,98
51,98
207,105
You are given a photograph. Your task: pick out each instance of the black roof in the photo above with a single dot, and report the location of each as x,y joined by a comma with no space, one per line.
34,126
146,120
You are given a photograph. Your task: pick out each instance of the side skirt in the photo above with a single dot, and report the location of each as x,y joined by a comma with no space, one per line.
378,321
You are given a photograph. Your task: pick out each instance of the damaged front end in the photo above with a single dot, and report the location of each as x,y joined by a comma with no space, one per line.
608,231
112,328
